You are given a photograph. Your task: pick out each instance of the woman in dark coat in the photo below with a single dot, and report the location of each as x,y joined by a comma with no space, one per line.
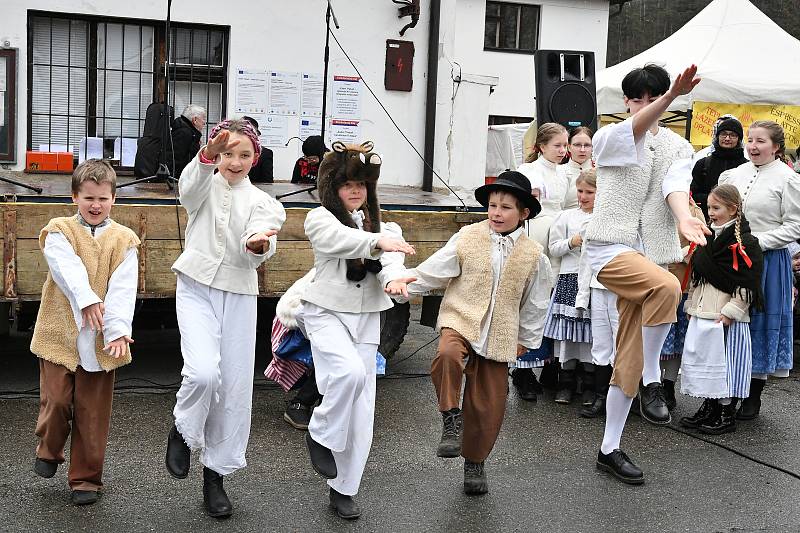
728,153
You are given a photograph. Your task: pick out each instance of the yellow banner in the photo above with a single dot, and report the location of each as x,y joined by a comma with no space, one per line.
704,114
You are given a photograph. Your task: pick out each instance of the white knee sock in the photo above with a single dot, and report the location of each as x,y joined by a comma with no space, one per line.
670,368
617,407
653,338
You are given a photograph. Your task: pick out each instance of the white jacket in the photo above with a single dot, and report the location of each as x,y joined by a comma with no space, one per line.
333,244
221,219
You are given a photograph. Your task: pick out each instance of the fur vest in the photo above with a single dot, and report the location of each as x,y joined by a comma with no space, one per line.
468,297
630,203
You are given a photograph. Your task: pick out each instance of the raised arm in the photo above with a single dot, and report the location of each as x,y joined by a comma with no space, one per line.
648,117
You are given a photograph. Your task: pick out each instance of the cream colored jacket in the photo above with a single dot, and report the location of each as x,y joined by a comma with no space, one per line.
706,301
333,244
221,219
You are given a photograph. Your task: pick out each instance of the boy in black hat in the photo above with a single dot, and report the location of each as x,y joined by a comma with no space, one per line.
484,326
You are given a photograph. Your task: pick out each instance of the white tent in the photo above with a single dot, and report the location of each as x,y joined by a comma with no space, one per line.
742,56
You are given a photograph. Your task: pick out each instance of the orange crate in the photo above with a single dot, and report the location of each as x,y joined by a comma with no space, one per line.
41,161
65,162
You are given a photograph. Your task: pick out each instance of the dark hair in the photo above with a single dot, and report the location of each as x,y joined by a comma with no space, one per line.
314,145
650,79
586,130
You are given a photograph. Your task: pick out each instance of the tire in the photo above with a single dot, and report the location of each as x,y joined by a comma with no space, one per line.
394,325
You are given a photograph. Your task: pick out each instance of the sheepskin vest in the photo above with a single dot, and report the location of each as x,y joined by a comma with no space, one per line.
630,203
468,297
55,335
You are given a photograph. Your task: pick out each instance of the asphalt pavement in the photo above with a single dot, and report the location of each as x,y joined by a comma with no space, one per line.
541,473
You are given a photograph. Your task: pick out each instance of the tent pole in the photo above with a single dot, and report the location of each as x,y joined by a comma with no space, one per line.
688,123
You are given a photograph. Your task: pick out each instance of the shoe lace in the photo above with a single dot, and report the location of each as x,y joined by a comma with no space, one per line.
452,425
474,469
658,394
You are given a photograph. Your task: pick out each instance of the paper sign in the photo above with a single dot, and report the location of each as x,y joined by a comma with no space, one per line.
284,93
251,91
90,148
274,130
346,97
704,114
311,96
310,126
55,148
125,151
347,131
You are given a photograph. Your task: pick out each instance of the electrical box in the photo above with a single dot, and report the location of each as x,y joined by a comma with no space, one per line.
399,63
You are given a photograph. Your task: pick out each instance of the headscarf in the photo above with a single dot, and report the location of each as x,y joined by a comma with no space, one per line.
242,126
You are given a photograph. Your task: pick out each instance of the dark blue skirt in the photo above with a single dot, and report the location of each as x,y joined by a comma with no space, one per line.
673,346
771,329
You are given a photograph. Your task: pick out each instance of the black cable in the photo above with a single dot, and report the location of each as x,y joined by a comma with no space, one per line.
415,352
734,451
393,121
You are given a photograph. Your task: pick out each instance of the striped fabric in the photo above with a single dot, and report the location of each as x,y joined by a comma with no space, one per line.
285,373
279,331
564,321
739,358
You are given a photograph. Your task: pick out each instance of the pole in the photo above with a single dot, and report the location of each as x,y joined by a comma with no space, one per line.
431,90
325,73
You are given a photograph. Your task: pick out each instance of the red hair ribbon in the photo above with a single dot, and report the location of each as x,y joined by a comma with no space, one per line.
736,247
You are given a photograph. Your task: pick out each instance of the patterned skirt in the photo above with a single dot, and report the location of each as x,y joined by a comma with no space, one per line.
673,346
564,321
771,328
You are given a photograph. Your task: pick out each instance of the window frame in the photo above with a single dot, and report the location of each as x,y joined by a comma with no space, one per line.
520,6
11,56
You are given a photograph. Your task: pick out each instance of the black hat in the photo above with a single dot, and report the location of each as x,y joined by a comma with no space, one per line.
512,182
254,123
731,124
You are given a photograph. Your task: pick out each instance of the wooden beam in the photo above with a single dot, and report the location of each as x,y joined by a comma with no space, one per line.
143,252
10,254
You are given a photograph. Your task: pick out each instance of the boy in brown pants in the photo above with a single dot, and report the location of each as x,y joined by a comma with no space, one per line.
498,289
90,289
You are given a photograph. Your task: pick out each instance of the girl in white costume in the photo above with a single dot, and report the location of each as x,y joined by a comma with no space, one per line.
580,159
232,229
340,314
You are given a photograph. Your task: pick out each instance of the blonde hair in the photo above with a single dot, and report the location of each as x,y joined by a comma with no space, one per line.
729,196
589,177
544,134
776,135
95,170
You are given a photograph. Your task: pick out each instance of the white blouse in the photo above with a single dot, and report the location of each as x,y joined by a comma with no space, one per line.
771,201
569,223
555,181
573,170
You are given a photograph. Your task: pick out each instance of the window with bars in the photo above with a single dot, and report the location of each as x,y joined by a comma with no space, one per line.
511,27
90,77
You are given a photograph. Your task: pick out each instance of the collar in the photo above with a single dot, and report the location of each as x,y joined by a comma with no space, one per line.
513,236
547,163
766,166
85,224
718,229
358,218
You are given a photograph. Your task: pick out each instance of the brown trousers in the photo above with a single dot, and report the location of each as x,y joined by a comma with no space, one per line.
647,295
485,392
85,399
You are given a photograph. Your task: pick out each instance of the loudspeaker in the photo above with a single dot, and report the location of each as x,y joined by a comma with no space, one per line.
565,88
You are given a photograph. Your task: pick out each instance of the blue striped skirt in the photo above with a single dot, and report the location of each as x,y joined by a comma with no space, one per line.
538,357
564,321
771,329
673,346
739,360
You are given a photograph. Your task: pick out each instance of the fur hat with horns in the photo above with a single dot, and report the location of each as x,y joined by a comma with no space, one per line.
345,163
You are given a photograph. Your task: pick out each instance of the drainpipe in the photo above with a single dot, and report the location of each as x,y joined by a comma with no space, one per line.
430,98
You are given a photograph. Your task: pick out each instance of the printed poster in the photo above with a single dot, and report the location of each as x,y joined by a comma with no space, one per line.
346,98
251,91
284,93
311,95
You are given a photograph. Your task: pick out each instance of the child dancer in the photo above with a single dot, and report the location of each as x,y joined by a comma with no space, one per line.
568,326
726,281
340,314
484,325
232,229
90,290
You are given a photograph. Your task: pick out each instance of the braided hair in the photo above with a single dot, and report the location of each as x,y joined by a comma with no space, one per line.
729,196
242,127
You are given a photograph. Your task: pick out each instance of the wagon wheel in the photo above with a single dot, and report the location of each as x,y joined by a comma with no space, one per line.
394,325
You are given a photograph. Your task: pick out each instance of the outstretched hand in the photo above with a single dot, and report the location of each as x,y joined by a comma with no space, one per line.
116,348
399,286
392,244
219,144
694,230
260,241
685,82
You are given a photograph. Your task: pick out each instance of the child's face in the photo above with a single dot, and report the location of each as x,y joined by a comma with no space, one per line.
637,104
718,212
505,214
353,194
760,146
586,196
94,201
580,148
555,149
235,164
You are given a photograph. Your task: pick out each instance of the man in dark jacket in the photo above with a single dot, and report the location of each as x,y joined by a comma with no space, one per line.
186,134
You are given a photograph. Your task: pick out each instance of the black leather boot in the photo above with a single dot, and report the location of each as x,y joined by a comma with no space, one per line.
669,394
702,415
475,482
566,386
452,425
214,497
321,458
524,380
344,505
724,420
602,376
751,406
653,405
178,455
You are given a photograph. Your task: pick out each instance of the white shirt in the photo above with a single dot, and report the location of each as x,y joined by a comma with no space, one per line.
69,274
770,200
566,225
437,271
615,146
552,180
573,170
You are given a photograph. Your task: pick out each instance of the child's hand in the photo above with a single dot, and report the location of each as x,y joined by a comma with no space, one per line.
219,144
724,320
521,350
116,348
399,286
259,241
576,241
391,244
93,316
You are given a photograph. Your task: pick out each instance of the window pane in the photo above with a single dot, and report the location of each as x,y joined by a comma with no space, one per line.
492,9
490,34
61,40
217,48
59,88
109,46
78,43
133,48
77,92
508,25
529,28
147,48
41,39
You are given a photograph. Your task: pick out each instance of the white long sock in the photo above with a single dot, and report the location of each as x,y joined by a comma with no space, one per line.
617,407
670,368
653,338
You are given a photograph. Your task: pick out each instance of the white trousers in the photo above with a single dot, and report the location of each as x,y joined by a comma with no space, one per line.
218,342
605,322
345,374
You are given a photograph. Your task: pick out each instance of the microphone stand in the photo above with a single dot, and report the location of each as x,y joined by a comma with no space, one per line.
328,14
